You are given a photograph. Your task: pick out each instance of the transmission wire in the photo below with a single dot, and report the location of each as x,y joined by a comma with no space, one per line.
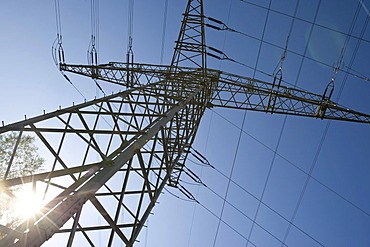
201,173
306,21
229,178
257,199
232,228
364,7
314,23
354,73
314,162
164,26
290,163
92,52
207,209
161,62
130,26
279,68
283,56
241,212
234,160
257,61
224,27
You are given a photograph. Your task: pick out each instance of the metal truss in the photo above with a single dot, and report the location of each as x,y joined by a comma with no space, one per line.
239,92
112,157
125,147
233,91
139,138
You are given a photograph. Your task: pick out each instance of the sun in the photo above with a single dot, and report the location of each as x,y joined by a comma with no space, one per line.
27,203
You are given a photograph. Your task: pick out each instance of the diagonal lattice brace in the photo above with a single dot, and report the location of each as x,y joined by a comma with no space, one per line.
163,112
239,92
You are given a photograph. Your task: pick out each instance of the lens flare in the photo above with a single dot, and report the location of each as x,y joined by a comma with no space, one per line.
27,203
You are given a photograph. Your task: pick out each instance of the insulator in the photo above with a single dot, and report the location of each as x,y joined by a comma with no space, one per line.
61,54
66,77
193,176
187,193
215,50
215,20
212,26
331,87
212,55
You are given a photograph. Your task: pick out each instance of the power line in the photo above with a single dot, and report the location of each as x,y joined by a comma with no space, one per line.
235,155
92,52
164,30
220,64
130,24
232,228
246,216
206,163
283,126
283,56
364,7
292,164
130,31
57,48
201,174
229,178
224,27
256,198
328,124
254,73
275,152
207,209
307,21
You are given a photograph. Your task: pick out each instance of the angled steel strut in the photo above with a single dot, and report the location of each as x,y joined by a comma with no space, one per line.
127,146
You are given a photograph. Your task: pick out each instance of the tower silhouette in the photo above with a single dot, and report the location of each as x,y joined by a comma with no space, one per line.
142,137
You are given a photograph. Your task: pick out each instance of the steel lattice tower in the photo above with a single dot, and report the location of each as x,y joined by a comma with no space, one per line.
141,136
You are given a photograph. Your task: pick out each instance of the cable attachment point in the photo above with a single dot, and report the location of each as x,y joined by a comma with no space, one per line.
92,54
57,51
57,45
200,157
326,96
186,193
325,100
60,50
221,26
221,56
130,53
193,176
278,77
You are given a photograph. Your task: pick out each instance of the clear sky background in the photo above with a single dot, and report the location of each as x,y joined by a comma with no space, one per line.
294,181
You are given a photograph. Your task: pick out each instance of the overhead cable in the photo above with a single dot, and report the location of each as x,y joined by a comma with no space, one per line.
57,48
318,151
290,163
223,27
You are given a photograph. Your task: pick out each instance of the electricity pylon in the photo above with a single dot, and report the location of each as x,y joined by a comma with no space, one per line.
113,156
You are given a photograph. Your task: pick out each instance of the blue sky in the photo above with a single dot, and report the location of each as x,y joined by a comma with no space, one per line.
334,209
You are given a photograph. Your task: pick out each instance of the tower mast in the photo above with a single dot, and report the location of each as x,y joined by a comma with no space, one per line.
142,137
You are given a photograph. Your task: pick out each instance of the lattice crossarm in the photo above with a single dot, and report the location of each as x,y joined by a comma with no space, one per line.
70,203
117,73
144,74
245,93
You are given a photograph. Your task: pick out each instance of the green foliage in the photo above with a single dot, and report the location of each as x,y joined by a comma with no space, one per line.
26,159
